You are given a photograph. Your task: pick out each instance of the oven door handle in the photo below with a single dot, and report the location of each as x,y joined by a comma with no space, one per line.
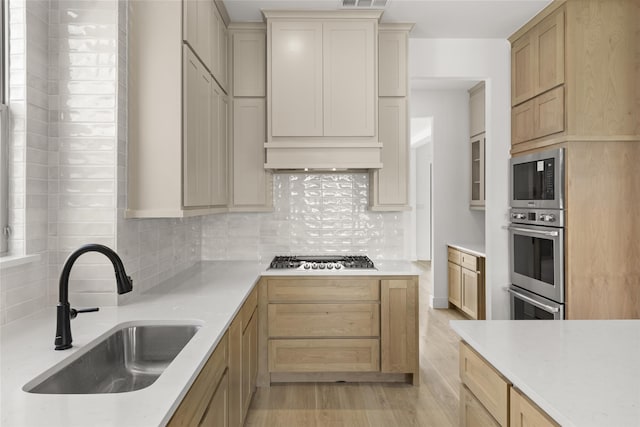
529,230
531,301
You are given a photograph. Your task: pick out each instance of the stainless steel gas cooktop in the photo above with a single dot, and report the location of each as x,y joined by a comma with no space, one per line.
322,262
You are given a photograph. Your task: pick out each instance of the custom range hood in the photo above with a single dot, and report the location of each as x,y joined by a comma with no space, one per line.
323,155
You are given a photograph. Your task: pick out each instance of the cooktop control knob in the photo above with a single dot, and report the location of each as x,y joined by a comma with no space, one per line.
307,266
321,266
338,266
314,266
330,266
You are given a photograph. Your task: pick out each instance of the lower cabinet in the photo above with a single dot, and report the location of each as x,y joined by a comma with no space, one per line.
466,282
222,392
339,328
487,398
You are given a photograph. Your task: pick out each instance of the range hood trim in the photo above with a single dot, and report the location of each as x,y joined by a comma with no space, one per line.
325,156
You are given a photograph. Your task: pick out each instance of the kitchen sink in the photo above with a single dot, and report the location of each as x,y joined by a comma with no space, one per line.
130,358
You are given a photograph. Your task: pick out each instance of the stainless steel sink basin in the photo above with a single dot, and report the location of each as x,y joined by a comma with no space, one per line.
131,358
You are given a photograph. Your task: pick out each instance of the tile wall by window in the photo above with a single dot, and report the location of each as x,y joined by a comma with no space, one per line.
313,214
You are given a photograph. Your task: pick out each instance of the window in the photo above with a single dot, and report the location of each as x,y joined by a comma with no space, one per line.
4,132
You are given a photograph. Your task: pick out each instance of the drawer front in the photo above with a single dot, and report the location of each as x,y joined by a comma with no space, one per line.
303,290
324,320
468,261
526,413
489,387
453,255
472,413
324,355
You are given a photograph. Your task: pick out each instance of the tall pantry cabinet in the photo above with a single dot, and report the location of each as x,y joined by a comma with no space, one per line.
575,71
177,109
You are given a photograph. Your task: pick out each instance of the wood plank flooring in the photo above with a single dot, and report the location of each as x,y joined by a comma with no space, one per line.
433,403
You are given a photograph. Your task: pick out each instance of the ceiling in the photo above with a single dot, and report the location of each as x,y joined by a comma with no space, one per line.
433,18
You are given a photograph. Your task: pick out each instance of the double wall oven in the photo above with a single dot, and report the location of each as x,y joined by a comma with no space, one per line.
536,236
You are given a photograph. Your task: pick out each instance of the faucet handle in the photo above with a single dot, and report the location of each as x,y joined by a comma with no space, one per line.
73,312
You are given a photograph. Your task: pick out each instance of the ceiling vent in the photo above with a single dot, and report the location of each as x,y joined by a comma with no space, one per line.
364,4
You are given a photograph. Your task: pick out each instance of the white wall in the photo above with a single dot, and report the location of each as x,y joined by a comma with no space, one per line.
421,161
487,60
452,219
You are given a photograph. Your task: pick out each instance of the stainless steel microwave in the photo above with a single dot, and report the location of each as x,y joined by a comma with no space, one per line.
537,180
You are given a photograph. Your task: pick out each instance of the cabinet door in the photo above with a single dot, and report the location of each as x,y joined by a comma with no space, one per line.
477,172
249,177
522,68
249,362
197,132
469,280
296,78
196,29
217,414
476,110
398,332
235,372
455,283
472,413
392,63
222,42
549,43
349,78
524,413
548,114
522,122
249,69
218,125
390,183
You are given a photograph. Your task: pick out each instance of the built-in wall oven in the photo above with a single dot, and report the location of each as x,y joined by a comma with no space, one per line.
536,236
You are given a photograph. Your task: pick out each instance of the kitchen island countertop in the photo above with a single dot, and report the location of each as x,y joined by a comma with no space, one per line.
580,372
209,293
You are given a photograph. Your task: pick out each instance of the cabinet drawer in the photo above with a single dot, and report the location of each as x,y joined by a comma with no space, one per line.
324,355
468,261
453,255
324,320
303,289
526,413
472,413
489,387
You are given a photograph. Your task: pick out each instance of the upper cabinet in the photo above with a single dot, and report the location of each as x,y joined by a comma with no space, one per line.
177,122
478,141
322,90
392,59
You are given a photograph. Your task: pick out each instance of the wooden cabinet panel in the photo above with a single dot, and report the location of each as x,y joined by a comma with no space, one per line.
390,185
455,284
549,113
549,71
303,289
489,387
249,63
235,372
324,355
399,331
522,68
472,413
193,407
349,78
249,362
324,320
524,413
217,413
453,255
392,63
249,176
468,261
469,290
522,123
196,132
296,79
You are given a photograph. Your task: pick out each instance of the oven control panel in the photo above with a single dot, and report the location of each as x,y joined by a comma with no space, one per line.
548,217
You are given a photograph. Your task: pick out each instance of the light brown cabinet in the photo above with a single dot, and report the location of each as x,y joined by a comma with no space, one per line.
477,134
574,88
489,399
466,282
337,328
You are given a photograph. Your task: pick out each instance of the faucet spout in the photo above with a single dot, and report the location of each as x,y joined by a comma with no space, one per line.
64,311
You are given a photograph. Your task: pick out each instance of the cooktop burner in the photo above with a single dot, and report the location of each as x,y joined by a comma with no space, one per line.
322,262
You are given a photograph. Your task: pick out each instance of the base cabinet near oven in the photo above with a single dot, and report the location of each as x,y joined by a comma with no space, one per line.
339,328
487,398
466,282
222,392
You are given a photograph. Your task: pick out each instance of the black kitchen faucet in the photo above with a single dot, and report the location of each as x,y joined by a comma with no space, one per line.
64,312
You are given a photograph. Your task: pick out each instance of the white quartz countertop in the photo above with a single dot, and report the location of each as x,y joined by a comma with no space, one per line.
476,249
581,372
209,294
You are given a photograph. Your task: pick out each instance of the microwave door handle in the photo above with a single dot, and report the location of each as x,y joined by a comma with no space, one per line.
528,230
531,301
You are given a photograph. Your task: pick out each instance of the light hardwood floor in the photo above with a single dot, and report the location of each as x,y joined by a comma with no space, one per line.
433,403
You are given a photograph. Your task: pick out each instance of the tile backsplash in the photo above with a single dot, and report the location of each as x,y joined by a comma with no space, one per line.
313,214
